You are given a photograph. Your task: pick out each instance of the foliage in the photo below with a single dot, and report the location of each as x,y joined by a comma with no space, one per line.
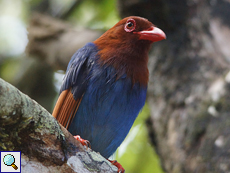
97,14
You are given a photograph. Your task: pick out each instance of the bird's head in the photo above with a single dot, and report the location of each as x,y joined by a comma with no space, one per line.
132,29
140,29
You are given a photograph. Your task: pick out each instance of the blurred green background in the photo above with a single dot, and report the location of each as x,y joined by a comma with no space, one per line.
135,154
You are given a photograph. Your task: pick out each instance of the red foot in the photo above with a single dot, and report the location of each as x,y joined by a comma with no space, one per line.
118,165
83,142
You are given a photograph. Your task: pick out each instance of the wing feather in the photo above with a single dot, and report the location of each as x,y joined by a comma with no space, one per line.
66,108
74,84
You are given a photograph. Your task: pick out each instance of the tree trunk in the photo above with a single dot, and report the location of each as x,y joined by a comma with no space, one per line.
189,87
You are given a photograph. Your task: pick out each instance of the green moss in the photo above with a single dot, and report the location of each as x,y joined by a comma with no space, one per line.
11,125
17,113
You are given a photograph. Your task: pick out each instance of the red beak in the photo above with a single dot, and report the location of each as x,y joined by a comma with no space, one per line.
153,34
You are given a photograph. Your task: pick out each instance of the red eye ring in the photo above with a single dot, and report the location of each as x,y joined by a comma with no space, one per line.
130,25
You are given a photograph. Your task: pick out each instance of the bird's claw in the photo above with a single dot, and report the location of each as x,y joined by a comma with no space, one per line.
118,165
82,141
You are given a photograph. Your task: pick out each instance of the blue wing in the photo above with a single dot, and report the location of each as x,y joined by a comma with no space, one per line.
74,84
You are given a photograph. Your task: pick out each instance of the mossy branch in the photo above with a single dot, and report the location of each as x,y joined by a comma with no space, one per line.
45,145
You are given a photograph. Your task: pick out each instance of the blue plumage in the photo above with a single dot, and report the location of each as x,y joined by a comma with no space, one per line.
78,69
109,105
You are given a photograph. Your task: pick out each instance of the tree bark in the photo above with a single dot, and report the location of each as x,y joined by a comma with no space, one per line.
189,87
45,145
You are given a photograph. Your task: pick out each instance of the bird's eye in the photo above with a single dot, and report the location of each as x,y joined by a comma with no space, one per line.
130,25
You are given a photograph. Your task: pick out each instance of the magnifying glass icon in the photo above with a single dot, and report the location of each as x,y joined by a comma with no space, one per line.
9,160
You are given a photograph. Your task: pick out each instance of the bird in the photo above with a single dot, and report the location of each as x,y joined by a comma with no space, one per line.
105,85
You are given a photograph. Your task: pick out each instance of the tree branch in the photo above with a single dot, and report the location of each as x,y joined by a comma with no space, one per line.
45,145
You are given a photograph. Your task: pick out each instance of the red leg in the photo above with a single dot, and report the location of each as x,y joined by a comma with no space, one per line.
83,142
118,165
